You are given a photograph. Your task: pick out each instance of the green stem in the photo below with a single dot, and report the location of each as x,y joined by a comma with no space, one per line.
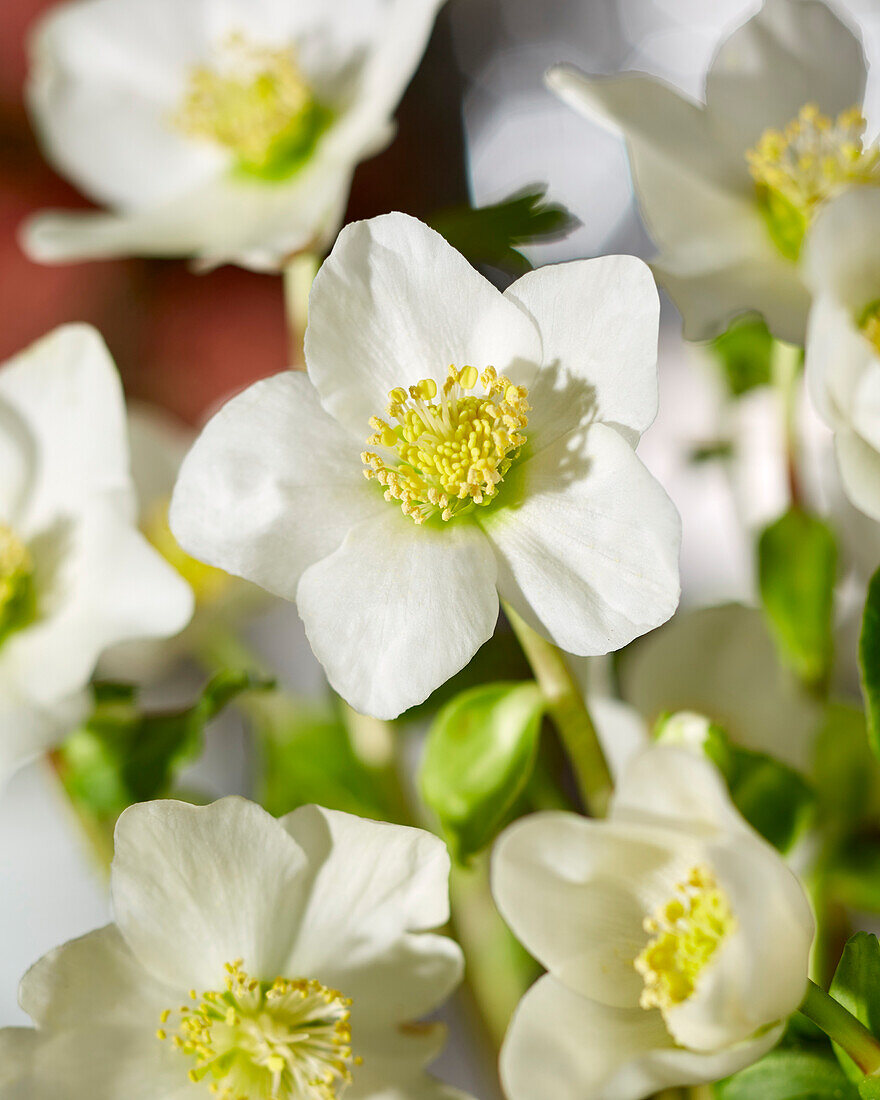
785,362
843,1028
570,714
299,274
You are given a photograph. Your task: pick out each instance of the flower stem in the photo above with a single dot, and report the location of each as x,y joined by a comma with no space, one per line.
843,1028
785,361
299,274
569,713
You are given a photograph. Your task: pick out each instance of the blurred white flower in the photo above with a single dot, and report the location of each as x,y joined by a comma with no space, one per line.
227,130
728,188
251,957
676,940
159,443
522,477
722,663
76,576
843,341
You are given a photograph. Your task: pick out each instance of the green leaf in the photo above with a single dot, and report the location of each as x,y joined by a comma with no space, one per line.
306,756
479,756
856,986
492,234
789,1075
869,660
772,797
744,353
843,760
123,755
797,560
853,876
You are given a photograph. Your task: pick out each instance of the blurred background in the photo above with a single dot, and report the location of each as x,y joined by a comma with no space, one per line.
476,125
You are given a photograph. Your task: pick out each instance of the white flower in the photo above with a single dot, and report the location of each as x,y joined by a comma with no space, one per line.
550,386
76,576
227,130
676,940
722,662
843,342
278,960
728,188
158,444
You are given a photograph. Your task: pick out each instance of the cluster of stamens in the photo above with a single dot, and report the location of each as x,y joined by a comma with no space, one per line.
280,1040
869,323
451,448
811,160
685,933
257,104
17,598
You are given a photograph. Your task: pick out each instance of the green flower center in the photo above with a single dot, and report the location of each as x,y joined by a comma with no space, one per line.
685,933
445,456
798,169
18,601
281,1040
257,104
869,323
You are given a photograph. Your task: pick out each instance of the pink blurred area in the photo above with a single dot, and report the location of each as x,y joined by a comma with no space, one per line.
182,340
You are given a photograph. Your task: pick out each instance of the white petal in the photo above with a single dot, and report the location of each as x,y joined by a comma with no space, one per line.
837,357
18,1046
196,887
29,729
91,981
158,444
224,221
587,543
574,893
774,930
395,303
791,53
271,486
838,257
674,786
398,609
65,392
106,79
712,281
598,324
721,662
565,1046
622,730
370,886
109,1062
101,583
859,465
697,199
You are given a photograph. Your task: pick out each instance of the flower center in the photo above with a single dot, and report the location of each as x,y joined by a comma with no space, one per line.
685,934
208,584
281,1040
257,104
869,323
448,454
799,168
17,590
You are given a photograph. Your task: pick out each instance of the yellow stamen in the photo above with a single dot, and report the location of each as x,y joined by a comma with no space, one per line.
17,594
450,454
799,168
257,104
686,932
289,1039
